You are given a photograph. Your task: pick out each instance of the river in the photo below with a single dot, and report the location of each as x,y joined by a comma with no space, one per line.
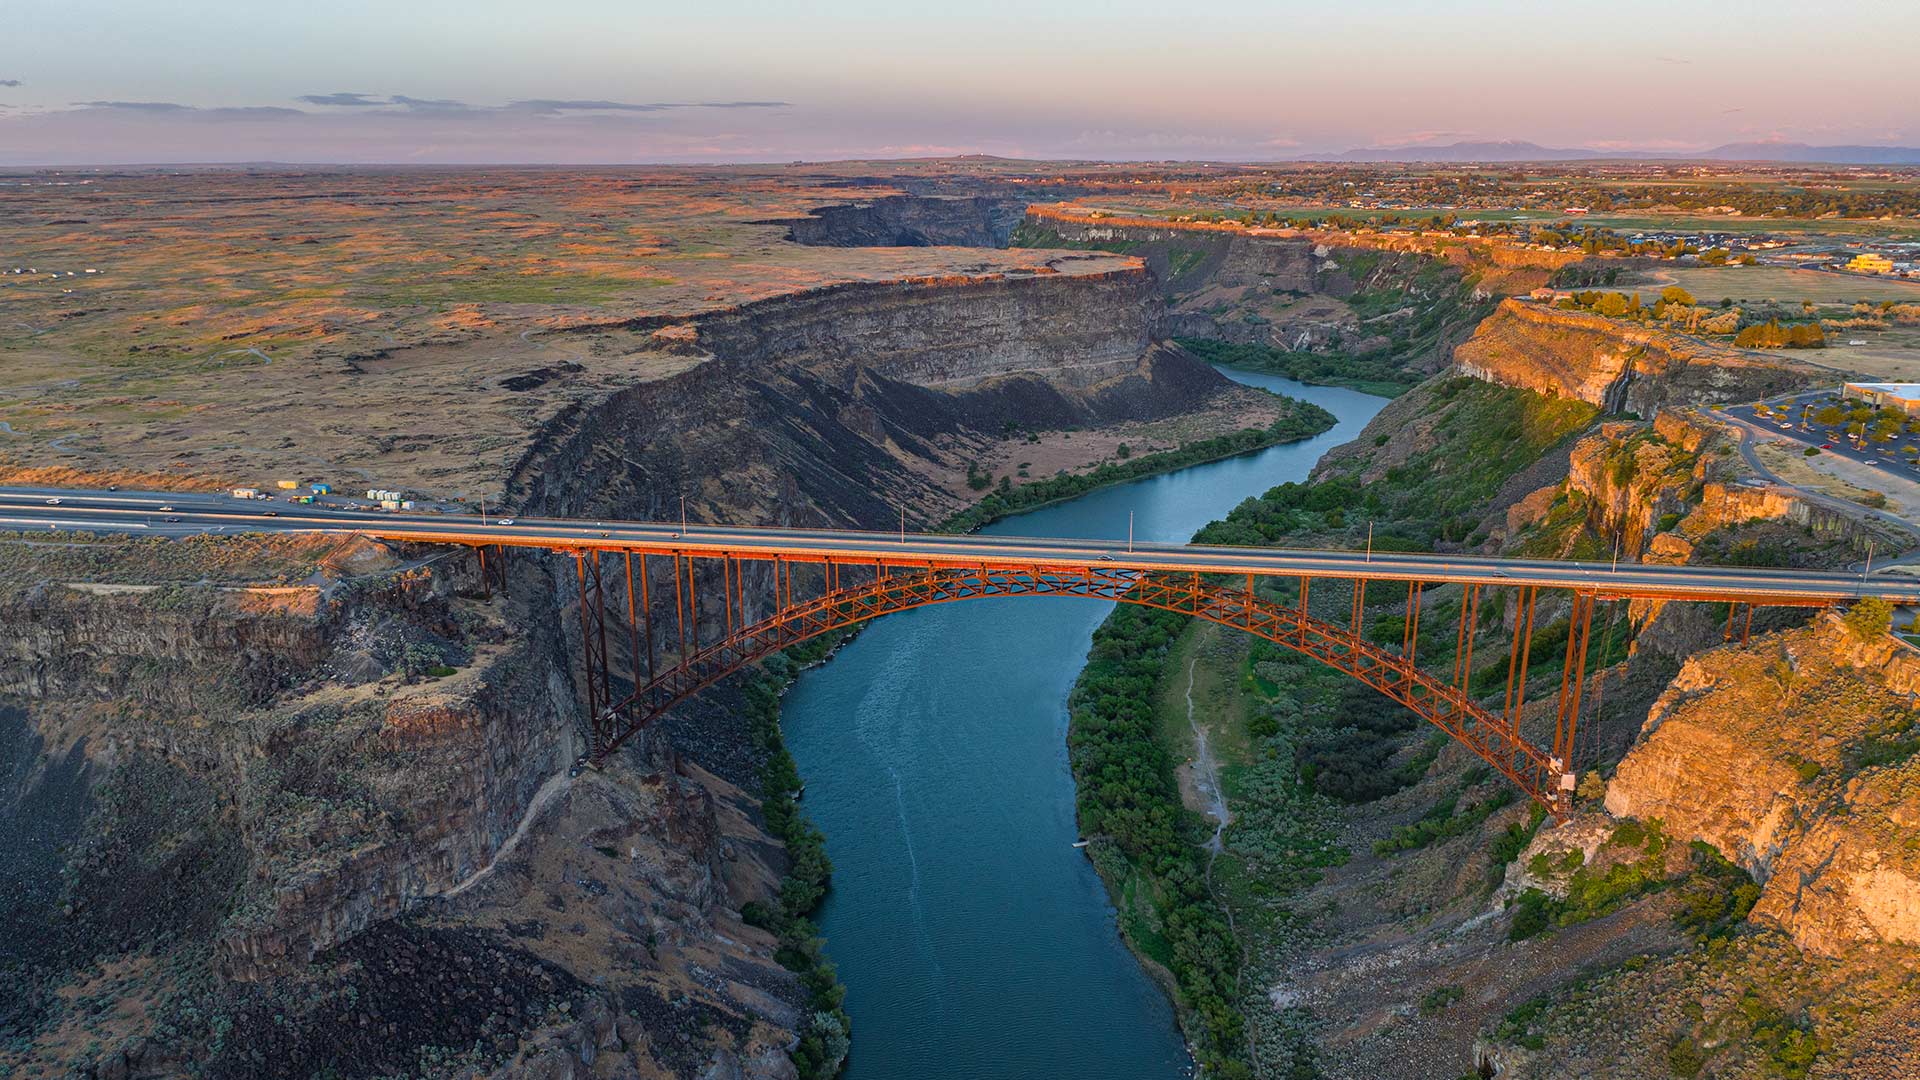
975,941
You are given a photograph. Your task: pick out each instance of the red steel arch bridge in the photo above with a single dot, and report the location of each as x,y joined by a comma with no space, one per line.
644,592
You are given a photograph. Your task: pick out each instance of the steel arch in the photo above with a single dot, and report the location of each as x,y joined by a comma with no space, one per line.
1495,738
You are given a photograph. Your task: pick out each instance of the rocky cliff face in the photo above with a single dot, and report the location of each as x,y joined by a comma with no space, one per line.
369,772
425,778
1795,758
1368,309
911,221
831,406
1617,365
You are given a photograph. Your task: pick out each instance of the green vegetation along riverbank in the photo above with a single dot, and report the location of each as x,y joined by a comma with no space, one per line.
825,1035
1298,420
1299,741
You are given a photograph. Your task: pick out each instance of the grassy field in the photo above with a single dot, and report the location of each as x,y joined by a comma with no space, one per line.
199,326
1752,284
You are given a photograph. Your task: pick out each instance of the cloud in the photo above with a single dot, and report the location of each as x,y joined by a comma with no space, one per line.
135,106
528,106
554,107
1416,138
341,98
9,82
170,108
430,104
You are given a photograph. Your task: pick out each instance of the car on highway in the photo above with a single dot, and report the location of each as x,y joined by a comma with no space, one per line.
504,521
55,501
173,519
1873,461
166,510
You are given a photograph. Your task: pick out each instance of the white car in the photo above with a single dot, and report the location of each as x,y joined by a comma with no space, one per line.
1873,461
504,521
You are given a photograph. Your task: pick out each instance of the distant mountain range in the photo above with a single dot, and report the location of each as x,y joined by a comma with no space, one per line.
1516,150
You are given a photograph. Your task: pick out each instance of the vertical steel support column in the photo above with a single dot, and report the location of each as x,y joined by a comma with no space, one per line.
1517,690
600,628
1246,606
1731,608
679,613
1581,631
593,640
486,576
633,628
1410,633
586,639
1746,632
693,605
500,564
1359,603
1460,636
1513,651
646,607
726,588
1473,631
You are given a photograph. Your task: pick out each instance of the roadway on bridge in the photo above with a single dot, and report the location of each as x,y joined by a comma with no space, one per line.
178,514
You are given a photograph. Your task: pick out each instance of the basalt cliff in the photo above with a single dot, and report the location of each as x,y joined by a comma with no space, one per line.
321,803
1618,365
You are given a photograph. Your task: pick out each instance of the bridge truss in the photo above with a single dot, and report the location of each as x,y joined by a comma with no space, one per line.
801,598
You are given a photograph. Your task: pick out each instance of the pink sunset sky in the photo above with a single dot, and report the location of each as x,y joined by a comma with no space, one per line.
119,81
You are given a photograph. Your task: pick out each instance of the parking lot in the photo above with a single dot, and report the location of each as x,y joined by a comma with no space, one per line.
1792,417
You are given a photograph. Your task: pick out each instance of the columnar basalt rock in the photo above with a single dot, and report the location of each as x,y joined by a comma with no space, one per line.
1618,365
1759,751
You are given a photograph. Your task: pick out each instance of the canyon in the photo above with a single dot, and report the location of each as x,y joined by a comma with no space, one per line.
327,797
397,751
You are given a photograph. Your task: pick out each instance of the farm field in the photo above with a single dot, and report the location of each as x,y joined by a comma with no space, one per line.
1753,284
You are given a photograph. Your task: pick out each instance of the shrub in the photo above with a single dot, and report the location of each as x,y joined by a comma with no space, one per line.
1535,915
1869,618
1439,998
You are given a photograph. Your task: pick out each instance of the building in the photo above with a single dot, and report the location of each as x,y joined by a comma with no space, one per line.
1902,396
1868,263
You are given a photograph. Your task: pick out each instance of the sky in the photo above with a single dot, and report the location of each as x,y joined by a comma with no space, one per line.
604,81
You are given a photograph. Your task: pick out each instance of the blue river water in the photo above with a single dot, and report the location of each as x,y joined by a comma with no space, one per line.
975,941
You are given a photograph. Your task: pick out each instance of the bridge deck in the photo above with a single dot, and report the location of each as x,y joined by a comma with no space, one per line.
187,514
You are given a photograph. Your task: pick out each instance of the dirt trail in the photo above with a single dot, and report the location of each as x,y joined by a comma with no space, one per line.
554,786
1206,771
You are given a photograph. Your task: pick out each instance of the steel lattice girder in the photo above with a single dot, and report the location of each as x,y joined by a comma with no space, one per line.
1493,737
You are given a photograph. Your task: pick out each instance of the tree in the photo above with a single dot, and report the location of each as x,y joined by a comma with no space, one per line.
1592,788
1611,304
1869,618
1674,294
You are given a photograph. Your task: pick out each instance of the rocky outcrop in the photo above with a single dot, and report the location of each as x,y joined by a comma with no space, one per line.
1630,477
910,221
826,407
1480,254
1615,364
1795,758
1075,329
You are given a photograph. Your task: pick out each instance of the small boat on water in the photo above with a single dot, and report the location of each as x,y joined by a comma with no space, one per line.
1080,843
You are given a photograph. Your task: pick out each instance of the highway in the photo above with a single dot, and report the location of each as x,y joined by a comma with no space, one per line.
178,514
